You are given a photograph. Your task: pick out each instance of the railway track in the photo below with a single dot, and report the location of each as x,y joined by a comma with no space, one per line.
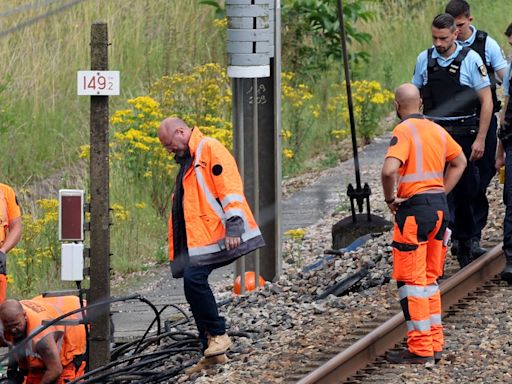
364,349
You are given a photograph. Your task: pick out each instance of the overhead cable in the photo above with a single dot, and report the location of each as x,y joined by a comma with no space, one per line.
26,7
43,16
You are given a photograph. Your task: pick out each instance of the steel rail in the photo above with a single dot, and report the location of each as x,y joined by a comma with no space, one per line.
394,330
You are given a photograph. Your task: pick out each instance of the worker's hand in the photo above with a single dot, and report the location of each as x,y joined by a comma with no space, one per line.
3,262
477,149
232,242
395,204
500,161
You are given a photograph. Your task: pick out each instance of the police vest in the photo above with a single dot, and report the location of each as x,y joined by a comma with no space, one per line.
444,95
479,47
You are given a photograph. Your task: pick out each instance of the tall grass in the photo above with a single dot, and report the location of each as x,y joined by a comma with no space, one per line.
401,31
38,64
148,38
151,38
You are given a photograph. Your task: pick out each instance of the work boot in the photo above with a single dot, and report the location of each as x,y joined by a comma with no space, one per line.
438,356
464,253
455,247
217,345
206,362
476,249
406,357
507,272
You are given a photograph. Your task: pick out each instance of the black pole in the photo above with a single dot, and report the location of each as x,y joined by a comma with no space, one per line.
349,94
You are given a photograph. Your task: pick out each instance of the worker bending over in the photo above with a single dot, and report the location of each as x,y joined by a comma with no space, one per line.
54,355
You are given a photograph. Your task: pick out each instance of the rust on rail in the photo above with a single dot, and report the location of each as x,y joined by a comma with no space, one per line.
394,330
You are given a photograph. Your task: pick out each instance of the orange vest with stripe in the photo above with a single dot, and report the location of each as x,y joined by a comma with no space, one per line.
70,339
213,192
423,147
8,209
4,218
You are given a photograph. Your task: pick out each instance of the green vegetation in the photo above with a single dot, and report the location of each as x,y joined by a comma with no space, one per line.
401,29
149,38
172,59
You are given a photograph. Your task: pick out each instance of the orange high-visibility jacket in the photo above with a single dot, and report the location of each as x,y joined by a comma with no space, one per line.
422,167
9,209
70,339
213,192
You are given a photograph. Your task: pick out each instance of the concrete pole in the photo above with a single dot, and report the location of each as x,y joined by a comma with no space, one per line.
99,268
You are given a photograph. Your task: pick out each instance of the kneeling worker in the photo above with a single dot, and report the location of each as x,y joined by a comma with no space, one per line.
416,159
54,355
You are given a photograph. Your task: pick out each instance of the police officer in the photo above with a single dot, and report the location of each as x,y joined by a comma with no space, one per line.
496,65
504,158
508,33
10,231
417,160
457,95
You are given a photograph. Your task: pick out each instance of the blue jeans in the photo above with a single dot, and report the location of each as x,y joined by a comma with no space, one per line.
202,302
507,199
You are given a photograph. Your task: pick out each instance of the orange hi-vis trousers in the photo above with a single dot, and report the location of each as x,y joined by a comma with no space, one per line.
418,261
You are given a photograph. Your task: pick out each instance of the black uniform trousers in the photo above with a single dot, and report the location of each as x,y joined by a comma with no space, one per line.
486,171
461,200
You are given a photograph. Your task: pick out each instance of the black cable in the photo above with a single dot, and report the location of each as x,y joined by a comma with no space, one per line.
161,355
169,325
157,314
148,362
26,7
179,309
158,317
148,329
86,326
147,367
154,339
34,20
22,344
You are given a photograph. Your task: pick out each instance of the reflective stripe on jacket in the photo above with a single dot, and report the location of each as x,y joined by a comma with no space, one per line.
428,168
422,169
4,218
213,193
9,209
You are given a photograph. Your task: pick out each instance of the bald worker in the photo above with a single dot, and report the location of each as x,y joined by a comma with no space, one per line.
210,226
53,355
418,154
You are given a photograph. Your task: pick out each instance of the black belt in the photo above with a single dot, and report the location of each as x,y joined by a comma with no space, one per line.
460,127
462,131
425,199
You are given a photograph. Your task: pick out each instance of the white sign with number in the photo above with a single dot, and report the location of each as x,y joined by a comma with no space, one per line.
97,83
